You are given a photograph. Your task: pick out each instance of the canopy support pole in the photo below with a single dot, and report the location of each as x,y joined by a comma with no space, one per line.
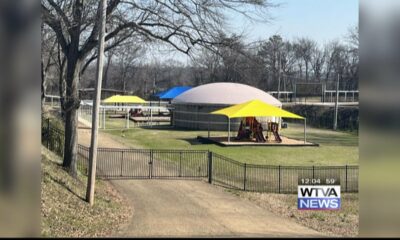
104,118
229,129
127,118
208,125
305,126
151,117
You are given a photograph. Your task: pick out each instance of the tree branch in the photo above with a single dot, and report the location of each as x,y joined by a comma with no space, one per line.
61,13
91,42
54,24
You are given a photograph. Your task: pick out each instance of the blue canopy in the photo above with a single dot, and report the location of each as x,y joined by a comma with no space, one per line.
172,92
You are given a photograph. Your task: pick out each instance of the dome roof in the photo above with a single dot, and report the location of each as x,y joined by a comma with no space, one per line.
225,93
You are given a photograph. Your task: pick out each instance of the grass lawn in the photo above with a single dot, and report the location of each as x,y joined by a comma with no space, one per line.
336,148
65,213
342,223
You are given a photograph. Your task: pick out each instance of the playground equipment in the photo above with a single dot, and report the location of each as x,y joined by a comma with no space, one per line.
259,133
274,128
257,108
250,129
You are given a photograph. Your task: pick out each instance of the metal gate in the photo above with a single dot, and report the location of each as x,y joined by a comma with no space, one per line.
193,164
146,164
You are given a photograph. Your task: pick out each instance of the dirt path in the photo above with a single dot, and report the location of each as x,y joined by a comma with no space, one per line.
183,208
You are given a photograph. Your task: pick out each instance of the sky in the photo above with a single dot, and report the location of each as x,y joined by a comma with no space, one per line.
321,20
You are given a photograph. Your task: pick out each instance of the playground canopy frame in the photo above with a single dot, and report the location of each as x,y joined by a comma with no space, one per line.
256,108
123,99
86,105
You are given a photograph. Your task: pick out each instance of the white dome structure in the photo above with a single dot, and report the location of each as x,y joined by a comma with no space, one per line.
191,109
225,94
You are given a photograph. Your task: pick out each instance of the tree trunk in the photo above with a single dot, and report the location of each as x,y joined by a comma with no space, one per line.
306,71
61,81
43,85
123,80
61,91
71,121
70,148
105,78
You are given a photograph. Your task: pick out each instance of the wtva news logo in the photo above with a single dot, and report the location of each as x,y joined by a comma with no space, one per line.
318,197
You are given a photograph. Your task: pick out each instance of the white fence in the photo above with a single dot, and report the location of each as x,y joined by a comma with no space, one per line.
120,117
346,95
52,100
328,96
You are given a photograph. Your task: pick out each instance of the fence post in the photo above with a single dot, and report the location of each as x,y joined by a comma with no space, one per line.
313,170
279,179
244,177
210,157
151,164
87,161
180,164
346,178
48,133
122,161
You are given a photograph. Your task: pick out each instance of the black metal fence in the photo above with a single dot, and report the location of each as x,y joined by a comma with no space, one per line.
148,163
113,163
83,159
277,179
52,137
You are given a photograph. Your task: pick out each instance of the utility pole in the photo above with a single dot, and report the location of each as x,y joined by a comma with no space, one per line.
154,84
95,114
336,104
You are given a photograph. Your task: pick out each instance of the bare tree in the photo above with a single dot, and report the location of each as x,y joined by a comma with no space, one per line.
271,55
353,37
288,58
288,61
256,64
207,67
339,59
317,62
328,51
234,61
127,56
233,58
304,48
49,44
110,55
353,56
113,54
181,24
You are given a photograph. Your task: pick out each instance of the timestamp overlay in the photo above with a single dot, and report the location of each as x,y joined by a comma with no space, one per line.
318,193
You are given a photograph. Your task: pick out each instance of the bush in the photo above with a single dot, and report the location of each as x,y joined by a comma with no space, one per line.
322,116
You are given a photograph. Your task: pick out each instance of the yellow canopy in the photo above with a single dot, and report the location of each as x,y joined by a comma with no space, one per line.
255,108
124,99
